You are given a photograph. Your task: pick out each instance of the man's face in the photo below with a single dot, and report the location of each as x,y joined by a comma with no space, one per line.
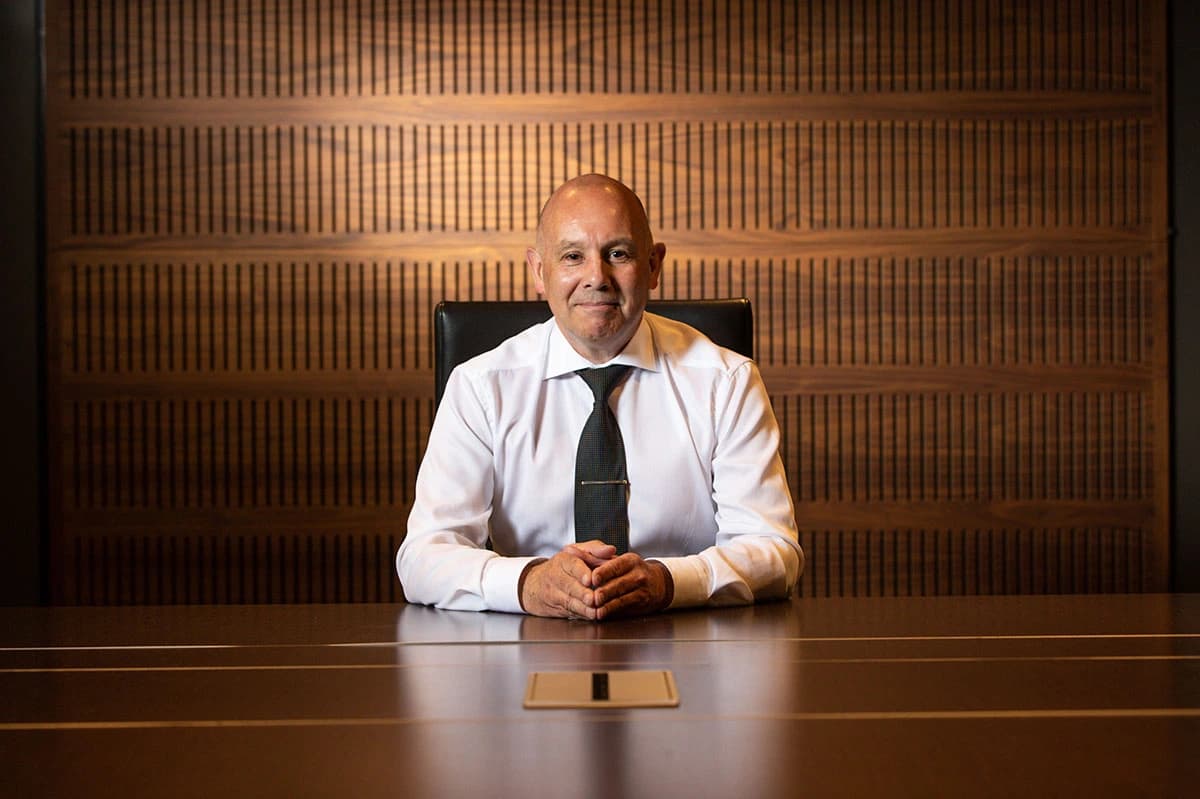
595,263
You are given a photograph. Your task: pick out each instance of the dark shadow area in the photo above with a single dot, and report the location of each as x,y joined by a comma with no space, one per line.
22,463
1184,65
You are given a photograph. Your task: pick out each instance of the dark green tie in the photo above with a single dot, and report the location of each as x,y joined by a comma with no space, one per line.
601,482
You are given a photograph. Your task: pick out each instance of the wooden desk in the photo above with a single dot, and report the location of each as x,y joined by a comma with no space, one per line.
981,696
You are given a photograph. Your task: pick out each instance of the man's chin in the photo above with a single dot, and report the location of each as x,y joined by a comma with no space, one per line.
598,317
599,335
600,332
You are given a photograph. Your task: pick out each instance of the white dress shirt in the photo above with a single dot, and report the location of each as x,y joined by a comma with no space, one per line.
707,495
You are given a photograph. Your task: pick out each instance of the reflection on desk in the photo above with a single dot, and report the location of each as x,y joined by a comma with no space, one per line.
1080,695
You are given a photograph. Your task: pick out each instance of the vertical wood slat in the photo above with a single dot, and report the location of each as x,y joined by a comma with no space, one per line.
208,453
257,569
159,455
862,448
301,48
326,180
138,318
1071,284
930,562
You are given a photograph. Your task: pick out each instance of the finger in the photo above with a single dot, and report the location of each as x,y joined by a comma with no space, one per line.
555,588
578,609
584,557
554,601
626,583
574,567
627,604
592,561
573,578
643,589
612,569
570,607
595,549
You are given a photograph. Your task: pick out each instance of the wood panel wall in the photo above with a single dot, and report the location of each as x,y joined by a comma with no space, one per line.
950,216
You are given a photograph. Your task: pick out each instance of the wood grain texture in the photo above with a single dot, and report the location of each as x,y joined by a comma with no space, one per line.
949,215
306,48
318,180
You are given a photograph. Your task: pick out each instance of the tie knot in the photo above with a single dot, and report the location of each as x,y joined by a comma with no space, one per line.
603,381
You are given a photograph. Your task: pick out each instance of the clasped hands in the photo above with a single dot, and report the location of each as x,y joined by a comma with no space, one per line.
590,581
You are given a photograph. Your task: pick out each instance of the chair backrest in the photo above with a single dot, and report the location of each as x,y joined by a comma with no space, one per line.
462,330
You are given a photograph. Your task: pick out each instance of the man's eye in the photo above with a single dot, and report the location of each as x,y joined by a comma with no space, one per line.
572,257
618,255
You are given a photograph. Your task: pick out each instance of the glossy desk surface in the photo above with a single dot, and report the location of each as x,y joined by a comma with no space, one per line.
980,696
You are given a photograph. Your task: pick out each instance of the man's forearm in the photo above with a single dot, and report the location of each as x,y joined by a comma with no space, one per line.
747,569
447,574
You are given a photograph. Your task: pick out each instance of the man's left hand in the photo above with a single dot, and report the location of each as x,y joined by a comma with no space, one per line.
630,586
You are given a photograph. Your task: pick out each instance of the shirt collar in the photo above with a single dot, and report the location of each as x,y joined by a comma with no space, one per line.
561,357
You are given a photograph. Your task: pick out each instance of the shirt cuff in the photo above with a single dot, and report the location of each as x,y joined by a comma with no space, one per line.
691,578
499,583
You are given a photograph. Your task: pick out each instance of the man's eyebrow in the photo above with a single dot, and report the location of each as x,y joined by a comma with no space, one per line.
563,246
627,242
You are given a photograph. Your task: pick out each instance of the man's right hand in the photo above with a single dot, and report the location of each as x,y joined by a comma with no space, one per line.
561,586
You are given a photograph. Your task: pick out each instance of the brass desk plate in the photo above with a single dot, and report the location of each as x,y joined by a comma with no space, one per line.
601,689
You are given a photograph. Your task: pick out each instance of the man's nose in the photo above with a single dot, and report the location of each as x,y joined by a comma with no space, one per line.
597,271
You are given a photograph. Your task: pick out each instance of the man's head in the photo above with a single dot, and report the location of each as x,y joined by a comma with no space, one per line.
595,261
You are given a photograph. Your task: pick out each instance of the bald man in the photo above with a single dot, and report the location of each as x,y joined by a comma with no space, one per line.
710,519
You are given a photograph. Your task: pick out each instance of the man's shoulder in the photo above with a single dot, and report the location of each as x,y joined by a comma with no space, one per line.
683,345
523,350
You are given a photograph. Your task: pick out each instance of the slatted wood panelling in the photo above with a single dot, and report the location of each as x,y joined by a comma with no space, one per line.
949,215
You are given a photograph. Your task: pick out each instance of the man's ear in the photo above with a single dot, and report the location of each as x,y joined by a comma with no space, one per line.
534,260
658,257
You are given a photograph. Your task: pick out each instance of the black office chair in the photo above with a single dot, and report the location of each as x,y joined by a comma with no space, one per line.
462,330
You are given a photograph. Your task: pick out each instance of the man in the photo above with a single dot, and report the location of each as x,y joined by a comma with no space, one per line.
709,515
